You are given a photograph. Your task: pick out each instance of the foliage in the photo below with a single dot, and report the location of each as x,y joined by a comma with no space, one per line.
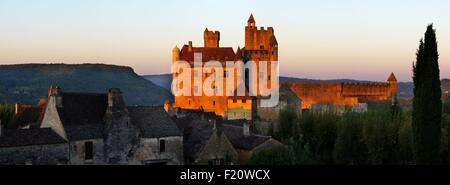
279,156
6,113
380,136
286,124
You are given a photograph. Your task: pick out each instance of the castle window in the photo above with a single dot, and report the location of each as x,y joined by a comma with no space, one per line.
189,102
214,103
268,77
88,150
162,145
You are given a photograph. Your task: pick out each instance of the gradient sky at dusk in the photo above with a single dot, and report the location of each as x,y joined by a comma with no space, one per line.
317,39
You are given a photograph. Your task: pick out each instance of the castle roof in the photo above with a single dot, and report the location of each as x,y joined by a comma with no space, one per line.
208,54
153,122
273,40
27,116
238,53
251,19
392,78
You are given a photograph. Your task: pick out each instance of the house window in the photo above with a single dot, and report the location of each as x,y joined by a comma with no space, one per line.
88,150
244,101
235,101
162,145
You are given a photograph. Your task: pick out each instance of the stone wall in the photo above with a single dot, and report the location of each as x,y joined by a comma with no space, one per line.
78,151
218,147
149,150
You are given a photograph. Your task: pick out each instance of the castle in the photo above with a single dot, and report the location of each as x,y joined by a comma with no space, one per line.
260,45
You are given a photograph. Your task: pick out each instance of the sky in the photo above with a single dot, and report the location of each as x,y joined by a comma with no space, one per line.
328,39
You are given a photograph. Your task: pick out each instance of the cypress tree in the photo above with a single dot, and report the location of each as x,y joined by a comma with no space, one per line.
427,104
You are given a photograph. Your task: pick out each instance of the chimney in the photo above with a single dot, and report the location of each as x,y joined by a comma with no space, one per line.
246,129
54,91
190,46
115,98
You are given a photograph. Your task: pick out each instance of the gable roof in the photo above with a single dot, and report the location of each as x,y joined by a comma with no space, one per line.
153,122
83,108
236,136
196,133
27,137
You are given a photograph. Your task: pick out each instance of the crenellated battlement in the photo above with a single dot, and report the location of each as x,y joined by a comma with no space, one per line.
345,93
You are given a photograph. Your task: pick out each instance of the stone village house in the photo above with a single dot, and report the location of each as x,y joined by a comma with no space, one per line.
86,128
209,139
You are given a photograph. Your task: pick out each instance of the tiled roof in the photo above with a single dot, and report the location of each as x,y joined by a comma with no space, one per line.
196,133
27,137
153,122
236,136
84,132
27,116
83,108
208,54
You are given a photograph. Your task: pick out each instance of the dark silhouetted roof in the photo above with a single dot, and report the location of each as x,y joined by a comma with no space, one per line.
27,116
27,137
83,108
196,133
153,122
236,136
208,54
84,132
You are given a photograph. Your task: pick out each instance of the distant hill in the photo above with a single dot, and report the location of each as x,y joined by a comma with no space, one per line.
26,83
162,80
405,89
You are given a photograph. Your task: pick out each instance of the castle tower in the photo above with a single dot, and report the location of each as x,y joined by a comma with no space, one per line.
250,33
211,38
392,81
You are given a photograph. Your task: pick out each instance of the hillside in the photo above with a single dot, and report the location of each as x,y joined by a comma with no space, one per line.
26,83
405,89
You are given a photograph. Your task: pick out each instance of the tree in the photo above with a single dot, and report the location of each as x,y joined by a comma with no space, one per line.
427,104
6,113
286,123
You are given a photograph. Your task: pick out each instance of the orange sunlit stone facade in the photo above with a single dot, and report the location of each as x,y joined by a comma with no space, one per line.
260,45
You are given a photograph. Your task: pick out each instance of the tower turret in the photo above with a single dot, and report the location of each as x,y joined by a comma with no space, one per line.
175,54
392,81
211,38
251,21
